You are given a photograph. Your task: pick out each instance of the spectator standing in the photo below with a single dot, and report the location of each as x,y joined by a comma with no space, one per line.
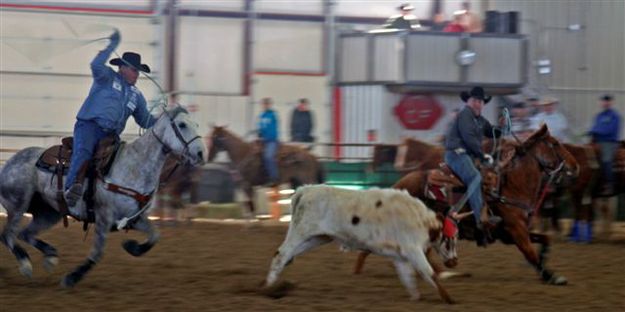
302,122
268,134
555,121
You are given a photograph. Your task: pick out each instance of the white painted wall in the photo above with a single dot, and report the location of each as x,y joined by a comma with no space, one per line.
210,55
32,94
288,46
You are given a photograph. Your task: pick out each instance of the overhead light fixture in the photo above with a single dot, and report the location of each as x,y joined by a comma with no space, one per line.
543,66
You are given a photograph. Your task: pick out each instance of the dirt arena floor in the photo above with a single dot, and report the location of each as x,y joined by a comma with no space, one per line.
217,267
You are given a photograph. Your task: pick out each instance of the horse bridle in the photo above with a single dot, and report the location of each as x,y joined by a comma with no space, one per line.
551,170
166,148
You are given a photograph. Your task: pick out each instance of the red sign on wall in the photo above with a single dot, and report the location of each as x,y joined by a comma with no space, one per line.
418,112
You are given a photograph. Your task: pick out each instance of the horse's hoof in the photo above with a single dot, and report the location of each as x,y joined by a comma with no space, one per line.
558,280
69,281
277,290
415,298
132,247
50,262
26,268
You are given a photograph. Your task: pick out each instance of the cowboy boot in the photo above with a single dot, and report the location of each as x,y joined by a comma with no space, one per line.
73,194
489,221
481,235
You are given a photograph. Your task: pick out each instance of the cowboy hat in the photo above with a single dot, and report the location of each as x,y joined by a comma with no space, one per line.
547,100
406,7
131,59
476,92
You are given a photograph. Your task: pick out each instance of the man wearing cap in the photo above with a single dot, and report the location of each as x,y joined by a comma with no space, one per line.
463,142
405,20
112,99
555,121
605,132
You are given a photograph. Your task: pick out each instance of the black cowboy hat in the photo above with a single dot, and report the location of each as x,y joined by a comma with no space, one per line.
131,59
476,92
606,97
406,7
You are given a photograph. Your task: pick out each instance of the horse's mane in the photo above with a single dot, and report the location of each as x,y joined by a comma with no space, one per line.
176,110
537,136
224,131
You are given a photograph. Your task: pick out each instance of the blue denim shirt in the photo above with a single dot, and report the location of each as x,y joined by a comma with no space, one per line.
607,126
111,99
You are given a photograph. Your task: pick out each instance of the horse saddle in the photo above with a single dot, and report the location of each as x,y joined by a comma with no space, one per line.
444,186
57,158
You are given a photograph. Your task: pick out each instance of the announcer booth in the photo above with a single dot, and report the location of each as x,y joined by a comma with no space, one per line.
401,84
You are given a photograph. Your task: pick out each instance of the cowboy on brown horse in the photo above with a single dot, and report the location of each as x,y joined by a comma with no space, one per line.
462,144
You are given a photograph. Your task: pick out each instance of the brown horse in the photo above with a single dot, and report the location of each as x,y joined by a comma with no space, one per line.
585,195
296,165
418,155
520,183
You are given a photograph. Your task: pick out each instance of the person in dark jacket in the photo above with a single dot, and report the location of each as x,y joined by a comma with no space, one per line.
302,123
268,134
113,98
605,132
463,143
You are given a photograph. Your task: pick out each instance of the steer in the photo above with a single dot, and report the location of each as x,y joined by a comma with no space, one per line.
386,222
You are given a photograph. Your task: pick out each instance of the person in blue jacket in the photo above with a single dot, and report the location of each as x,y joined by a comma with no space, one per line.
112,99
268,134
605,132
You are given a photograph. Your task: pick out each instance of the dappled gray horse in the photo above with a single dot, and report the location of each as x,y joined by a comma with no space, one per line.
25,188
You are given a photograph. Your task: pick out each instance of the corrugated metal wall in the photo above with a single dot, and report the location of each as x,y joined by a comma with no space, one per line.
585,63
362,111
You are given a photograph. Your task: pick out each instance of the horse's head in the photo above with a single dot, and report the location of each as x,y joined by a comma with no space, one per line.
179,134
217,141
445,239
552,156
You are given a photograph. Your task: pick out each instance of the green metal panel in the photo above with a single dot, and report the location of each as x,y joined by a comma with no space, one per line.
358,174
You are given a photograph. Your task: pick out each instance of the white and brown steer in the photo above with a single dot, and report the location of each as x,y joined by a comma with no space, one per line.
386,222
